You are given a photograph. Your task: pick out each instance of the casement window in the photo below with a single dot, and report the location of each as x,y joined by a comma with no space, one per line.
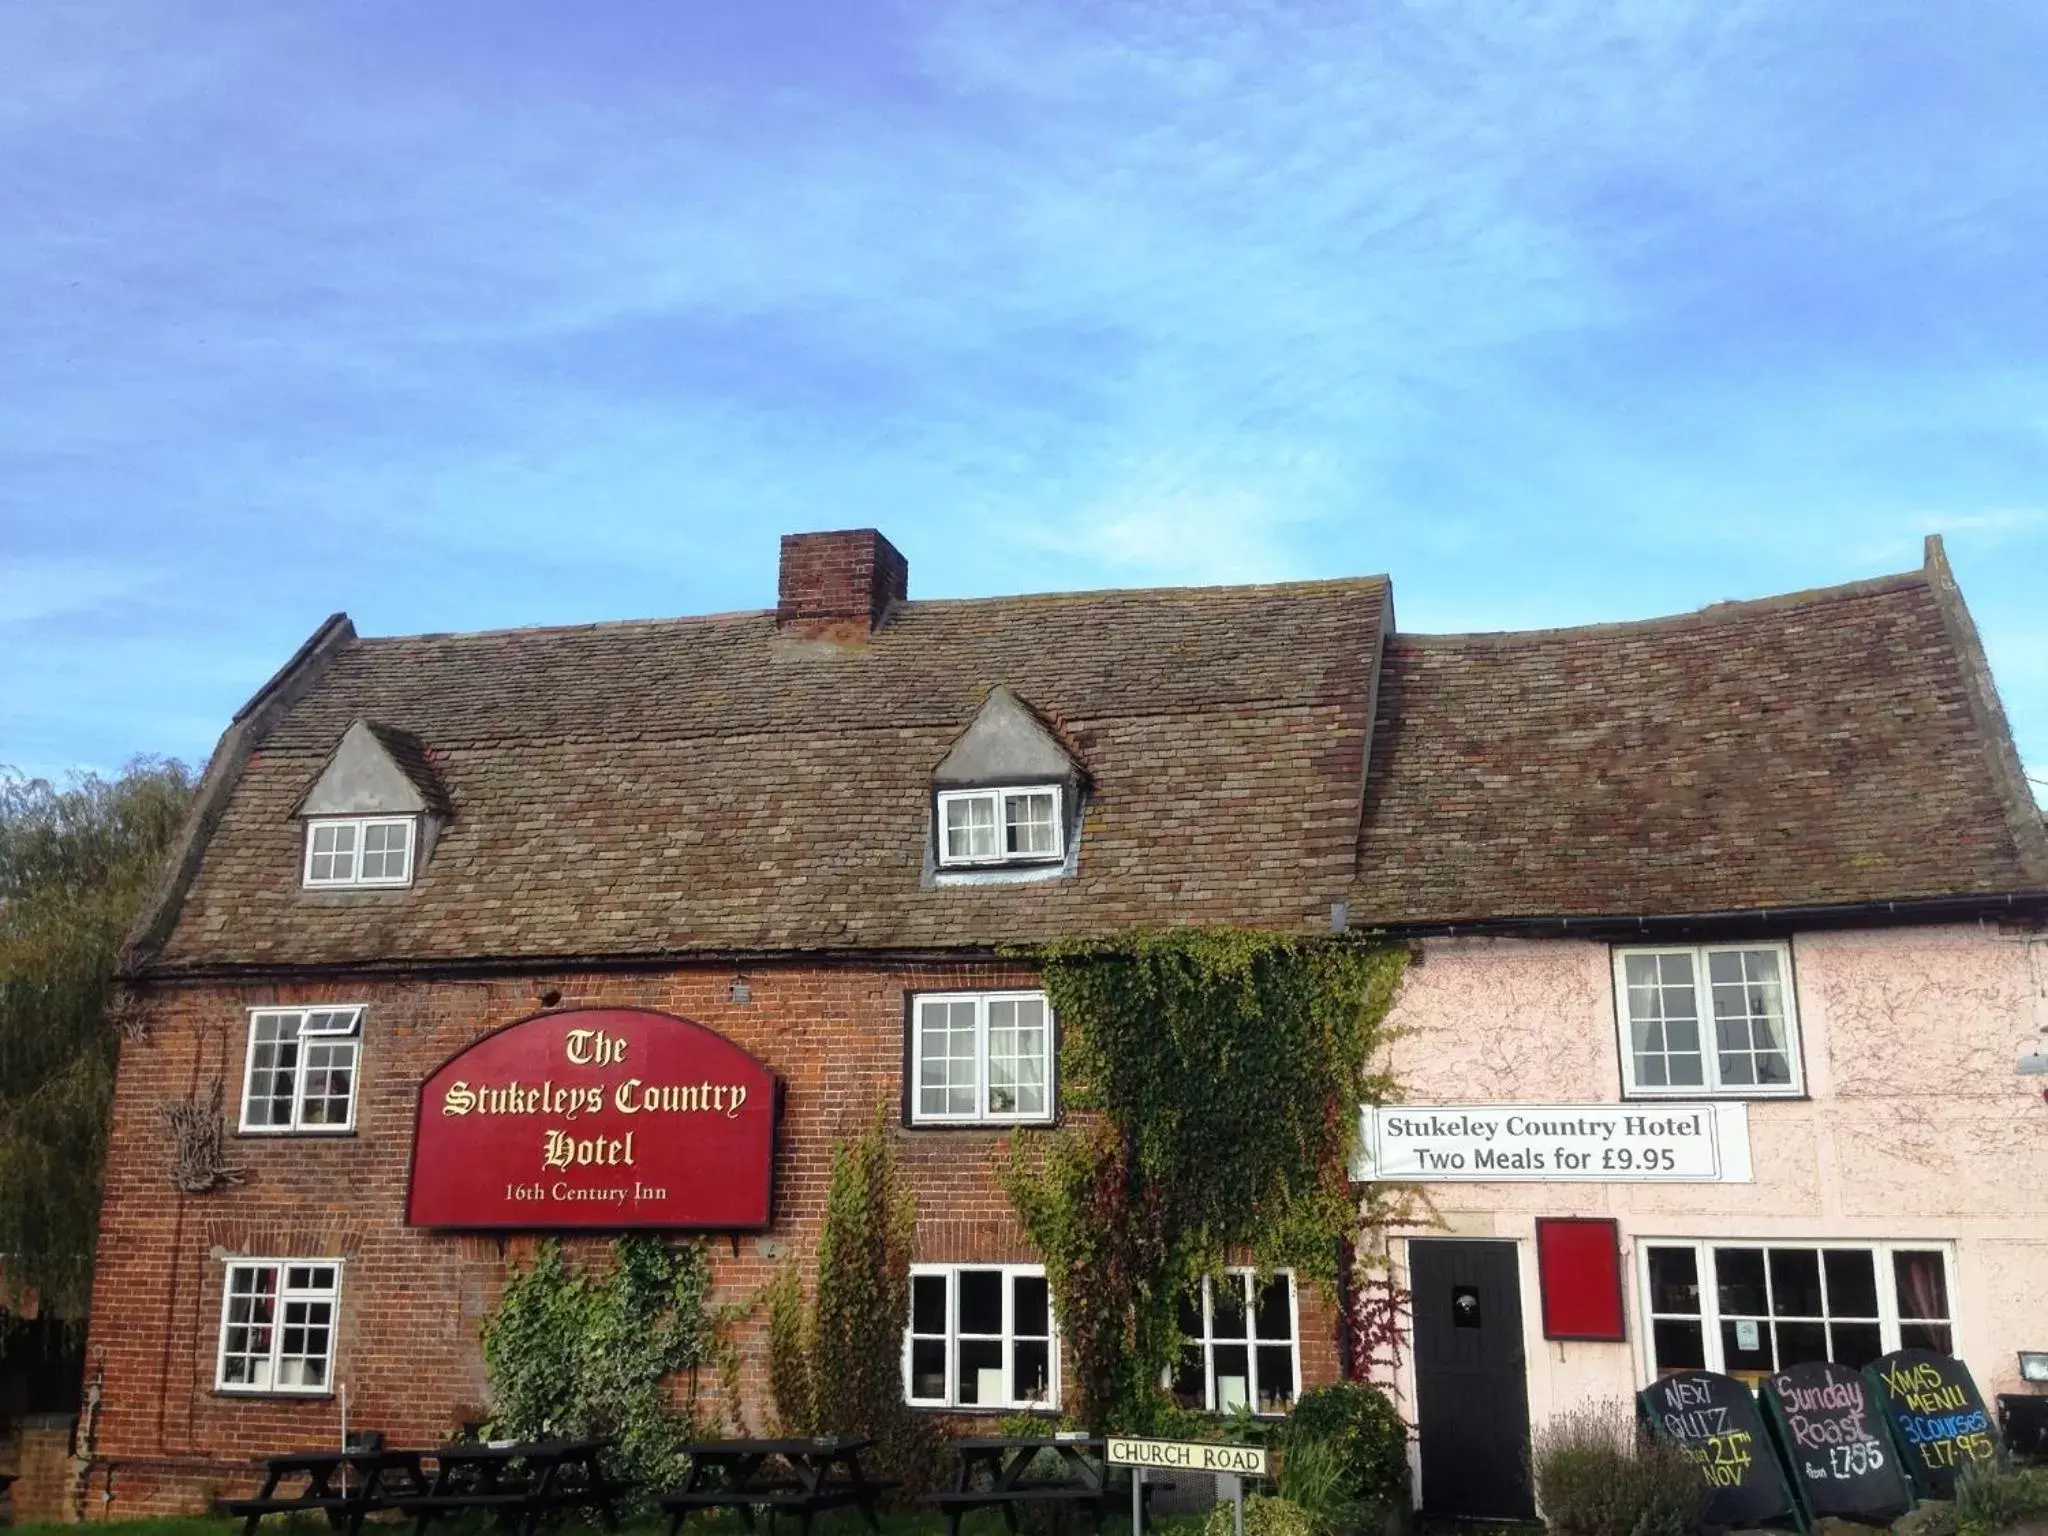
1240,1344
980,1336
277,1325
1755,1308
359,850
980,1057
1707,1019
1001,826
301,1069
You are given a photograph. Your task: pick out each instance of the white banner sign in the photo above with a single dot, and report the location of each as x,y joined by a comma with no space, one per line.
1563,1143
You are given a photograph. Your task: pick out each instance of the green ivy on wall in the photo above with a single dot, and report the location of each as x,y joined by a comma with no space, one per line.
1215,1077
838,1368
574,1353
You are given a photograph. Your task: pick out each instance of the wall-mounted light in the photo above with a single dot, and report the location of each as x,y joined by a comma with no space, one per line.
739,991
2034,1365
2033,1064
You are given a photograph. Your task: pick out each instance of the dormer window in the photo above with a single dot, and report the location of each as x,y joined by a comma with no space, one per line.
1001,826
359,850
373,815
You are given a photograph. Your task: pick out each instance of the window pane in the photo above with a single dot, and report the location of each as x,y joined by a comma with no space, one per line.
1228,1318
1189,1381
1190,1320
1030,1307
981,1301
1663,1020
1275,1317
1852,1282
1739,1281
1749,1017
928,1306
1233,1377
1674,1280
328,1077
1028,824
1795,1283
1800,1343
928,1369
971,827
1276,1378
1017,1042
1679,1346
1034,1371
948,1080
1746,1345
981,1372
1854,1344
1923,1284
1934,1336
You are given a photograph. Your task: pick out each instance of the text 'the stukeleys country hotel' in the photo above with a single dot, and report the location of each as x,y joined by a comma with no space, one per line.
1727,928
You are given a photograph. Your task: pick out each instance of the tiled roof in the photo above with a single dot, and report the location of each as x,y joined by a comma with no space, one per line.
722,785
1834,747
714,784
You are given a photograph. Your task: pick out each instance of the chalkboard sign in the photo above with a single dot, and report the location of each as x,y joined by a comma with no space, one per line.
1832,1432
1714,1422
1936,1417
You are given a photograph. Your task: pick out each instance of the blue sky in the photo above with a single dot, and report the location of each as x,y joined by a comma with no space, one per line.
477,313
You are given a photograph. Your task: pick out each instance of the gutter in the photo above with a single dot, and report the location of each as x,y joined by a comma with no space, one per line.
2030,905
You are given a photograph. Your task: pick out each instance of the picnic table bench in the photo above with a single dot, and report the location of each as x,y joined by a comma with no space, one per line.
740,1475
1006,1483
343,1485
519,1482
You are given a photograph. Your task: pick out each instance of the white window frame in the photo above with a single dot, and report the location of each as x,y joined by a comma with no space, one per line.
346,1024
1710,1035
1251,1280
331,1295
356,879
982,1114
1010,1273
1001,798
1709,1316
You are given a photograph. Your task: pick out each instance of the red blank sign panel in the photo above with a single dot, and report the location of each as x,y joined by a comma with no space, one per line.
1578,1259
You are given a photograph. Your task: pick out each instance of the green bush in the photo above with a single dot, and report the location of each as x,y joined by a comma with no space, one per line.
1366,1439
1262,1517
1990,1499
1599,1474
1313,1476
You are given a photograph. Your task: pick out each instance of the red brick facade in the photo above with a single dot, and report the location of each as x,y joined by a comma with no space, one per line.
411,1300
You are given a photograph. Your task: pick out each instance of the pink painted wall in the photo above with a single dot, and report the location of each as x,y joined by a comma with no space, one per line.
1916,1126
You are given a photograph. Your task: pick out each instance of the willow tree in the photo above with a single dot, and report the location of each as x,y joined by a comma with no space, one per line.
75,865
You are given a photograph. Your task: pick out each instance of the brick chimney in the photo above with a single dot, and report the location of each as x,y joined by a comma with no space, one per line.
838,583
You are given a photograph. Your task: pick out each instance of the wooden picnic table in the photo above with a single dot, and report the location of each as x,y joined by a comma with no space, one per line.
519,1482
994,1473
343,1485
816,1474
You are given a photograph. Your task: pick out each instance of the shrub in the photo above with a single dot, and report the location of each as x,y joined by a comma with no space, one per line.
1988,1499
1262,1517
1599,1474
1366,1440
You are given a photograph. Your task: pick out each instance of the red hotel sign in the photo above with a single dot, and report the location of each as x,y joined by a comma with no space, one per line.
595,1117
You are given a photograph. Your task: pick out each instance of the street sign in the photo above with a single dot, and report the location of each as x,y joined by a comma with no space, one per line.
1188,1455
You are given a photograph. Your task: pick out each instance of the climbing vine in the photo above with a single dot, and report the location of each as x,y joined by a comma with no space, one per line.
574,1352
838,1369
1217,1074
